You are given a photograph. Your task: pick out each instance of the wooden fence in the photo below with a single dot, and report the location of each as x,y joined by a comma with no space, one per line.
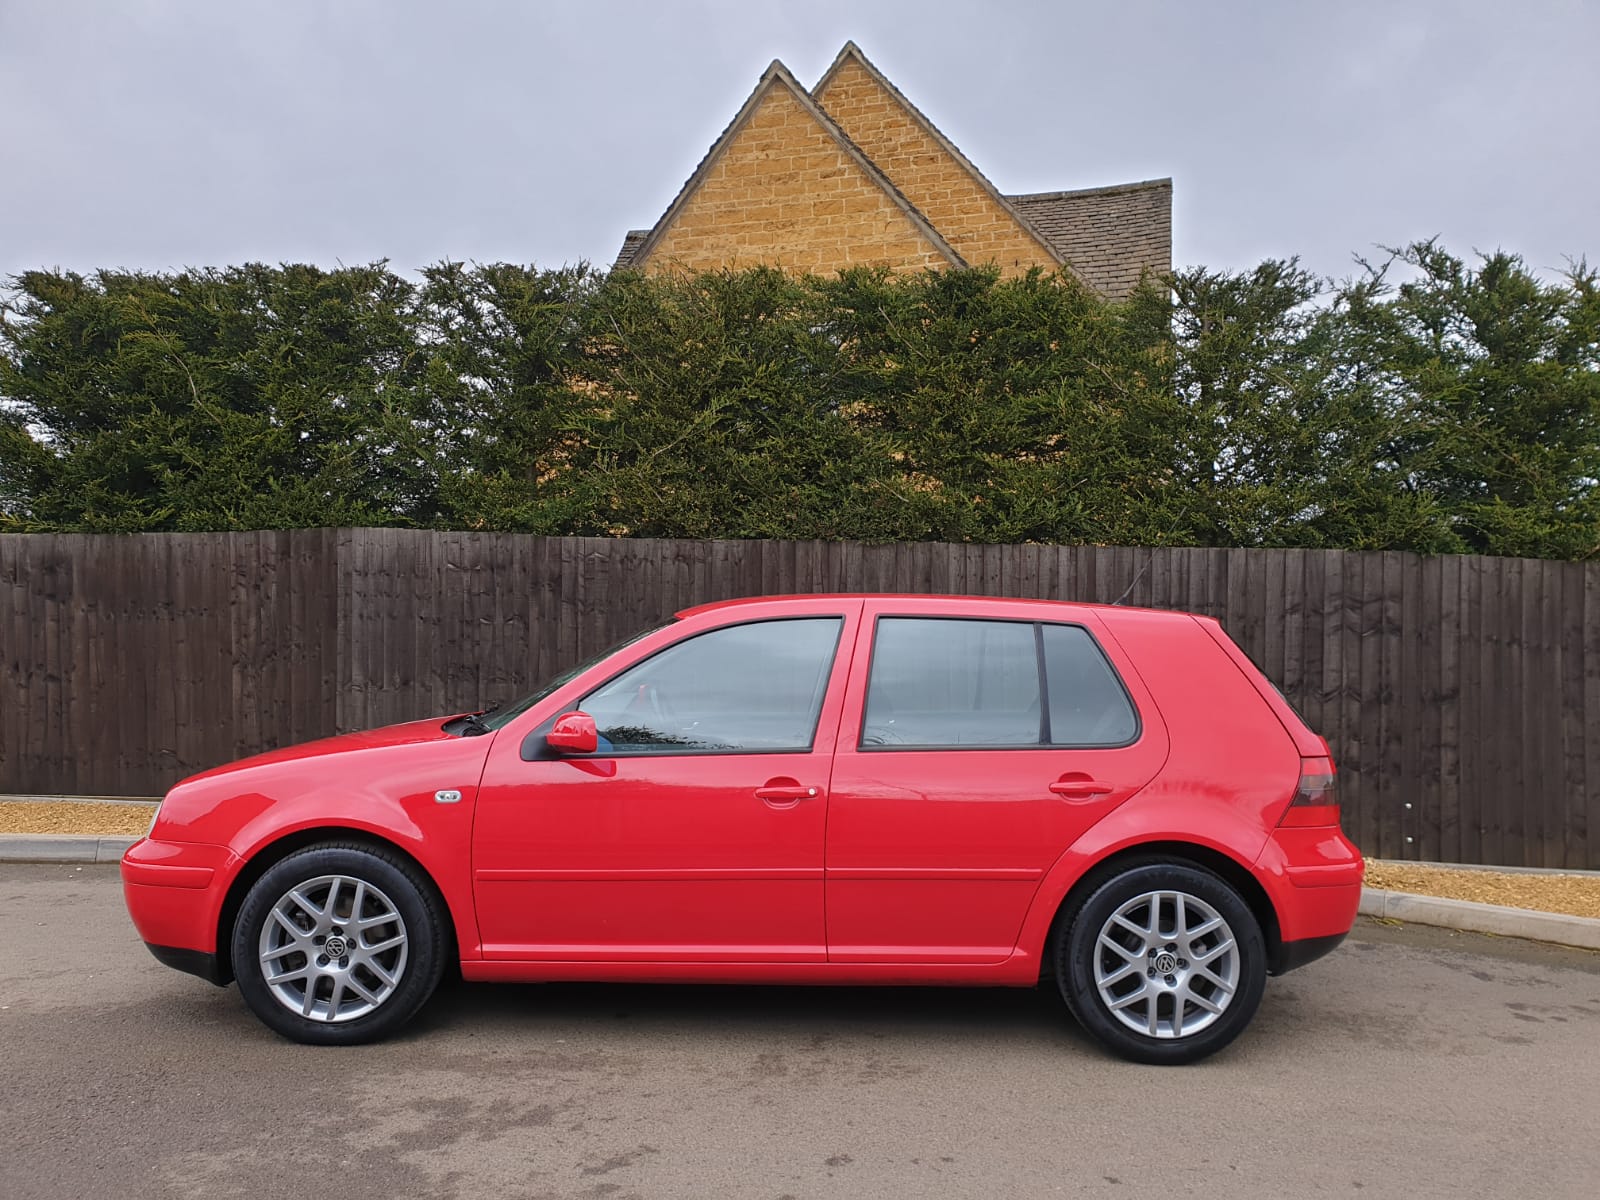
1458,693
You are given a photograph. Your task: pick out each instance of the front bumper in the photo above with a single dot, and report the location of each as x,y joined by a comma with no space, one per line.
194,962
174,892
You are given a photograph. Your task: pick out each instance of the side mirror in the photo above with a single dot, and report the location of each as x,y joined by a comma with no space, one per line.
574,733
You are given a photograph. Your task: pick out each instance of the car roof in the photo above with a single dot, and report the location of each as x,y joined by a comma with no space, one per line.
976,602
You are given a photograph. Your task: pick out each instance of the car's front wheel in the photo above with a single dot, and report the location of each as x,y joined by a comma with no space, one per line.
339,944
1163,962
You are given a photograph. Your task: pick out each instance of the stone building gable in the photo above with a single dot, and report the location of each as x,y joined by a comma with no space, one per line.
852,173
920,161
784,186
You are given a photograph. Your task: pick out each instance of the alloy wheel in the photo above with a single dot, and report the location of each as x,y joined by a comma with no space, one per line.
333,948
1166,964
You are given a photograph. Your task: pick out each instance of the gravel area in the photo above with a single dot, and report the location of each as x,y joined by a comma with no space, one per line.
55,816
1576,895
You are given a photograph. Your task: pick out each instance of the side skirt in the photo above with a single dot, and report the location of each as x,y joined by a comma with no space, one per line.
1020,970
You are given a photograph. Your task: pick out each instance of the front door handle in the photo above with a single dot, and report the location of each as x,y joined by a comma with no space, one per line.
1080,789
784,793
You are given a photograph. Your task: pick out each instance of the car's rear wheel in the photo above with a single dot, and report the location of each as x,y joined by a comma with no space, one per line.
338,944
1163,962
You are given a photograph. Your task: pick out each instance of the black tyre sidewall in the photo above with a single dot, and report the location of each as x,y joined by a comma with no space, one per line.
413,896
1075,951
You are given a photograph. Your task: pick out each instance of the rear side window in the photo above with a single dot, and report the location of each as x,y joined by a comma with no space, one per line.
945,683
744,688
952,683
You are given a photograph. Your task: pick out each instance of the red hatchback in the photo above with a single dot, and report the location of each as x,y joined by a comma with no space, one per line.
815,789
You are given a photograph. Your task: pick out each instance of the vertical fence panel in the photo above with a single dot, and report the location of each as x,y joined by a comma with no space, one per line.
1446,770
1339,713
1426,698
1574,778
1585,845
1501,588
1475,682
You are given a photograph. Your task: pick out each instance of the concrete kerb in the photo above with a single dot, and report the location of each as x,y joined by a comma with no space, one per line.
38,798
62,848
1583,932
1444,866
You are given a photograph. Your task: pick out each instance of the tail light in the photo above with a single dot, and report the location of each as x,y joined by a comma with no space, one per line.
1316,799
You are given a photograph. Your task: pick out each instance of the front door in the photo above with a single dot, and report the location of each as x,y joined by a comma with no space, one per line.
695,831
982,750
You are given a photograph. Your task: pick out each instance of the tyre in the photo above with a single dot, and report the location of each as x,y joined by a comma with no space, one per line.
339,944
1163,962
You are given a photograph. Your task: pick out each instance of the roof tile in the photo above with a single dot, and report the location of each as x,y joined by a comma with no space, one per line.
1110,235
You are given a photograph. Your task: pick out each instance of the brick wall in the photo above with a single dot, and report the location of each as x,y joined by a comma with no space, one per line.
955,203
784,192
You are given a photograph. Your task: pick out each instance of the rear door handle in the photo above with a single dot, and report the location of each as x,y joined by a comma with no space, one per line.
1080,789
784,793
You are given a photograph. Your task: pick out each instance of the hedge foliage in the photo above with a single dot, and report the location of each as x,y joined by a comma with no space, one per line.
1427,404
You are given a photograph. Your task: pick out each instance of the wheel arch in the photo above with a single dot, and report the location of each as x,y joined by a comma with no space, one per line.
273,852
1232,872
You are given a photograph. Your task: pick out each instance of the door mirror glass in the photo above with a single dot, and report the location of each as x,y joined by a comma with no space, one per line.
574,733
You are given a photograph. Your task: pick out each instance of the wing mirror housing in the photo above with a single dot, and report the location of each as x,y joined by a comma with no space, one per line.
573,733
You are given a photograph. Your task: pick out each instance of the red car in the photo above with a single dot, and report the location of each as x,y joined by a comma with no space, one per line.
800,790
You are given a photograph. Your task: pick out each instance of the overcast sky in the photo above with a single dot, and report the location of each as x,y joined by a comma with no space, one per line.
155,134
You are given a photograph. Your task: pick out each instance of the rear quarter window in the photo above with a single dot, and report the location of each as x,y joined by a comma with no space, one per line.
1088,704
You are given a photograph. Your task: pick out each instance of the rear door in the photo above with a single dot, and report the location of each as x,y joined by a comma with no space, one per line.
973,751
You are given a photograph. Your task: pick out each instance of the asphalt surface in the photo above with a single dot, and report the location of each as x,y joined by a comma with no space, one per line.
1412,1062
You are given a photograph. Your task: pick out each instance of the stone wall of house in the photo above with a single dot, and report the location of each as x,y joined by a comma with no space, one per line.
784,192
964,212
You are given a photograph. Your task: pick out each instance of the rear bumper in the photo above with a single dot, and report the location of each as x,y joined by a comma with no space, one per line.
174,892
1313,878
1290,955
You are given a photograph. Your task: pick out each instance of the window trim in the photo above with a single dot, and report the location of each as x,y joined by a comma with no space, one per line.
864,747
1044,685
536,749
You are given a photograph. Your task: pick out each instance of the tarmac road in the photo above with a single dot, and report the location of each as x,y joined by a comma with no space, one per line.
1411,1063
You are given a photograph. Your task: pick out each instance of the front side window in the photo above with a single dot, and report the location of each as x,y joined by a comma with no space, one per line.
745,688
947,683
